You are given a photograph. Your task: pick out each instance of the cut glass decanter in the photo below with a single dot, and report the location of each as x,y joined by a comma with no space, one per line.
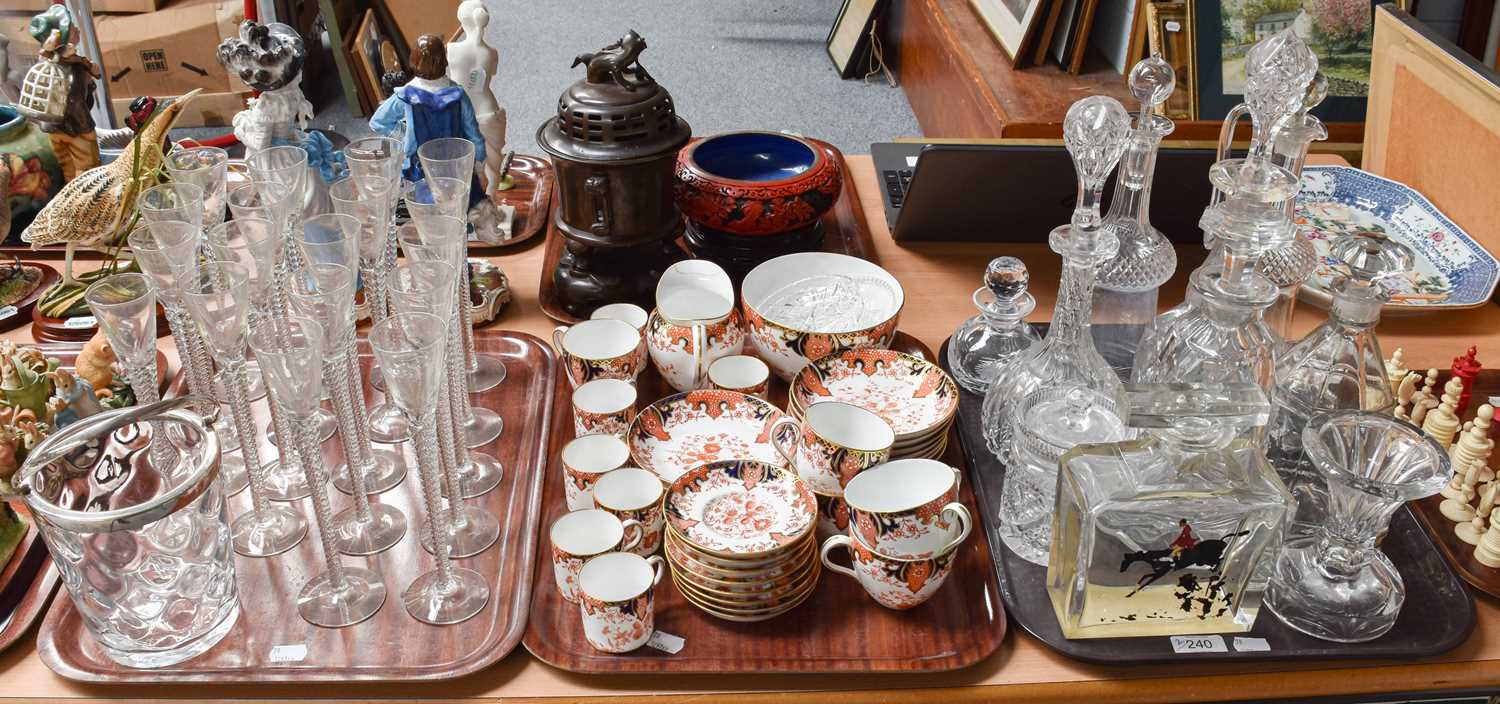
1061,392
1174,532
983,346
1125,291
1217,335
1336,367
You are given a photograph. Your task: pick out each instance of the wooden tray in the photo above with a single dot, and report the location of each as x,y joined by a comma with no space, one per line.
1459,554
532,196
1438,615
29,579
844,232
22,314
840,629
391,646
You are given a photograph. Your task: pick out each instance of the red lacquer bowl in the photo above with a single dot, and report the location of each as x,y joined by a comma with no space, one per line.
755,183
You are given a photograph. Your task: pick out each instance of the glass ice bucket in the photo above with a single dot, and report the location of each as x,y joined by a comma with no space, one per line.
145,553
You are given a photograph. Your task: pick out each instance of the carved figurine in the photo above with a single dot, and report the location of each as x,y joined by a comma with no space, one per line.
58,92
1395,368
613,62
94,207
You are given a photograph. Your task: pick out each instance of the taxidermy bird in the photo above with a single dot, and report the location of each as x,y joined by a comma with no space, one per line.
98,202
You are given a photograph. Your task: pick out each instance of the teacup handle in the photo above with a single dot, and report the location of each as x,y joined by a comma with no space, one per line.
640,532
557,341
789,454
960,513
658,568
829,545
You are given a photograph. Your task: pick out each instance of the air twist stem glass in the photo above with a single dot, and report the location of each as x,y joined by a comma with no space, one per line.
333,378
424,433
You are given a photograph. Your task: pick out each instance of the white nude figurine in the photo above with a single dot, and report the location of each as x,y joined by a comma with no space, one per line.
471,64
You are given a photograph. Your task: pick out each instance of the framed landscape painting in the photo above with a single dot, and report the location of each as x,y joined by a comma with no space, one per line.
1338,31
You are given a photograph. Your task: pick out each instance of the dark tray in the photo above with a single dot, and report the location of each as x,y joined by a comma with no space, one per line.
1438,615
839,629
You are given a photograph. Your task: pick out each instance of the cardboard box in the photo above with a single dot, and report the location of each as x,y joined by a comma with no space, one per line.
169,51
125,6
206,110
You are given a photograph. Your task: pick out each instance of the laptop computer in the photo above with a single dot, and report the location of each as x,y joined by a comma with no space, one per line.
953,192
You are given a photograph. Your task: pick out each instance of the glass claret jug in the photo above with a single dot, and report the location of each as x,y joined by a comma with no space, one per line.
984,344
1170,533
1218,335
1126,291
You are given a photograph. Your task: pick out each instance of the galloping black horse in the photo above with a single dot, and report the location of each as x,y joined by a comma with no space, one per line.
1207,553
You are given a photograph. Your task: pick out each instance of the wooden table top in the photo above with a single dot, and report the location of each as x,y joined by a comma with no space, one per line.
938,279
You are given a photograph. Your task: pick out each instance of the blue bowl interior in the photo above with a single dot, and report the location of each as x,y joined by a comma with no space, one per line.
753,157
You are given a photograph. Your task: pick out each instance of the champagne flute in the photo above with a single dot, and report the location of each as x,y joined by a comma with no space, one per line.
125,306
290,352
409,347
427,287
217,294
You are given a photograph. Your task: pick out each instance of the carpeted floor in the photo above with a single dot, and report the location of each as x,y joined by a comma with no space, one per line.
729,64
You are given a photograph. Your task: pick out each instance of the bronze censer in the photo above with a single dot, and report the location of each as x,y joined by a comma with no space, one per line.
613,145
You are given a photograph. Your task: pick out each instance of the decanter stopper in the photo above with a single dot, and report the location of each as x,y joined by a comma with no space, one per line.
1277,72
1006,278
1151,82
1096,131
1372,256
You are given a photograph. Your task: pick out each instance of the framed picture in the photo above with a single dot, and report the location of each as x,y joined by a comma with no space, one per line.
1338,31
1013,22
849,39
1169,32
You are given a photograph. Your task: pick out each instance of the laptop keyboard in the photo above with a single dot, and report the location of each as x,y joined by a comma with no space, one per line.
896,185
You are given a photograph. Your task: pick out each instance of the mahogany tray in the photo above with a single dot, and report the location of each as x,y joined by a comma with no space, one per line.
1459,554
839,629
532,194
845,231
29,579
267,643
1438,616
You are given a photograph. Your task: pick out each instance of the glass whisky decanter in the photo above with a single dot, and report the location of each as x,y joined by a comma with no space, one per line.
1218,335
984,344
1125,292
1336,367
1095,131
1173,532
1289,265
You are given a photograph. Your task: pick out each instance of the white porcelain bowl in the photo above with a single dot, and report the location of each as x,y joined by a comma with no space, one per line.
802,307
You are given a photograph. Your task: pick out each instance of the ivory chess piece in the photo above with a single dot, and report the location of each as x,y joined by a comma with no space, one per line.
1465,369
1475,446
1426,399
1488,550
1473,531
1442,424
1395,369
1456,507
1404,393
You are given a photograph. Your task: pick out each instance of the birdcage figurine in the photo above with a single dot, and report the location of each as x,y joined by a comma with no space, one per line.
44,92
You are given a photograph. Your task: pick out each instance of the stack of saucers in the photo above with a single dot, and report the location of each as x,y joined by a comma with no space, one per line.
915,396
740,539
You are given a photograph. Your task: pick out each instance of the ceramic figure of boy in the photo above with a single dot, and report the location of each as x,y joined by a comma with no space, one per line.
268,58
73,139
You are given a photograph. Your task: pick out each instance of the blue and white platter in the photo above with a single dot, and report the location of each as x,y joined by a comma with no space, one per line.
1451,270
